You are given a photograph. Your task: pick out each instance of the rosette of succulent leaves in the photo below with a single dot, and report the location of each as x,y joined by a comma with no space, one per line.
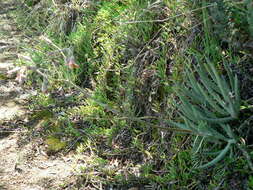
209,102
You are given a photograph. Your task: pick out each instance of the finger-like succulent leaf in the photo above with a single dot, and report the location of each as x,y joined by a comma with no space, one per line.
218,158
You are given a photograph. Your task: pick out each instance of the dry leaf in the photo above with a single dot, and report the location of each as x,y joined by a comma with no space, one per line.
71,63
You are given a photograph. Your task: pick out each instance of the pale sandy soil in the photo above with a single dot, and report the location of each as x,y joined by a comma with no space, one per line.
22,166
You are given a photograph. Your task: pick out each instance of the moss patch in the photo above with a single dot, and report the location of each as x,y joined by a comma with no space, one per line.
54,144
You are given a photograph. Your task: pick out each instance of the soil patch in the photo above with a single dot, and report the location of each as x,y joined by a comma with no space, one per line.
22,166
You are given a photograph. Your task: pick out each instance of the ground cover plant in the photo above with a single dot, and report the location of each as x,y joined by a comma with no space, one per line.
147,92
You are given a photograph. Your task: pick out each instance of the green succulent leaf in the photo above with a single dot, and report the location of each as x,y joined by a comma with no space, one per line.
208,102
218,158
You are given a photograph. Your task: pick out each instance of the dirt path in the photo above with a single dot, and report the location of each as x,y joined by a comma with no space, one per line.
22,166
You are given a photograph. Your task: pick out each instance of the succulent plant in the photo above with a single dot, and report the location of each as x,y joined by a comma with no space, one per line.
208,102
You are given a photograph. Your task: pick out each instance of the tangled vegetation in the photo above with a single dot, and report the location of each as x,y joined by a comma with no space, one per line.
148,92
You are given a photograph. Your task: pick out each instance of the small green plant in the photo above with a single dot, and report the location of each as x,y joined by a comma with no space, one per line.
250,182
210,98
208,102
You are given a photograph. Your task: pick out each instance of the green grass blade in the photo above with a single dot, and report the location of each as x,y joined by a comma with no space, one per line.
237,95
197,144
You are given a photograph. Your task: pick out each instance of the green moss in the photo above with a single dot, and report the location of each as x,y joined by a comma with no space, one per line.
3,76
54,144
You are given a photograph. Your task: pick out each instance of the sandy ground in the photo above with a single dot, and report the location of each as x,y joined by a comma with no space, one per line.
22,166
